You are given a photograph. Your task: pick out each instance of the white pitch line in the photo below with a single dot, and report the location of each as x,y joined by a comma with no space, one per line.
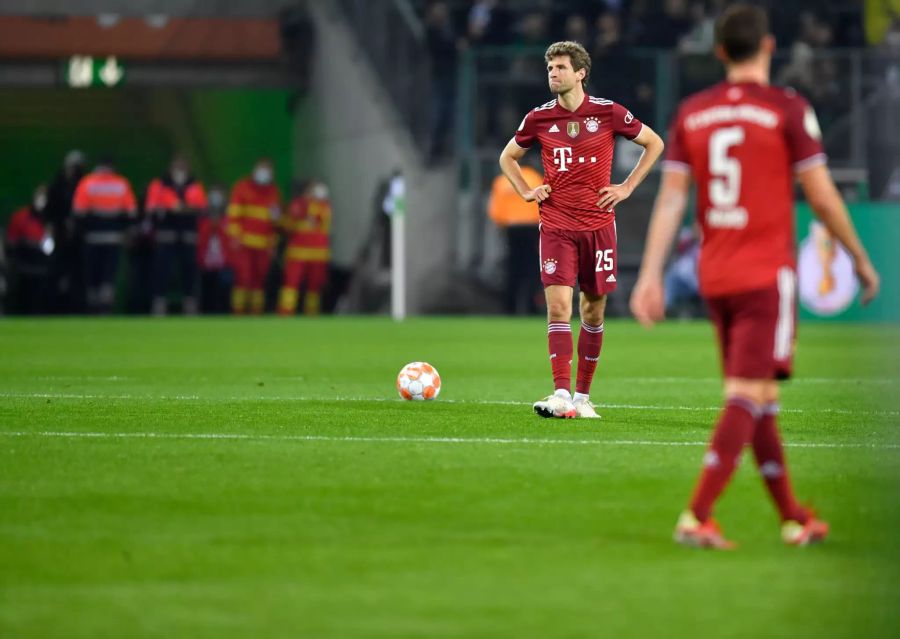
408,440
288,398
854,381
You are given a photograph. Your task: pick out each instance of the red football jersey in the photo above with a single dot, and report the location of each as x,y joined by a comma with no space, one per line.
743,143
577,151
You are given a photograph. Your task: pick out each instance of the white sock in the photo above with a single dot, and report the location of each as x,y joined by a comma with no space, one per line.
581,397
562,392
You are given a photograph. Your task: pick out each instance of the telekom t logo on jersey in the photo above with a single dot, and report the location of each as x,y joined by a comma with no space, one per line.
562,157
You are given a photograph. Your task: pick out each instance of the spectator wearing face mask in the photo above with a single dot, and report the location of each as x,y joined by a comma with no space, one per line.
29,246
174,202
307,225
213,255
254,211
66,278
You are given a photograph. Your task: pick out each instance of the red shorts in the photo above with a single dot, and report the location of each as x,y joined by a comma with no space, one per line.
251,266
756,329
314,273
588,257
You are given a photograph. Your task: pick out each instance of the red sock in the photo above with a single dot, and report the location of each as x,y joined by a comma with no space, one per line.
733,432
769,455
590,341
559,338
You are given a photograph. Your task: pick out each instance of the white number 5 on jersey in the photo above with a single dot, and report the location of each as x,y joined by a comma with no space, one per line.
725,185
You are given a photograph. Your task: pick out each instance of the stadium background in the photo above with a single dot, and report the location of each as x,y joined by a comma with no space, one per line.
256,477
330,90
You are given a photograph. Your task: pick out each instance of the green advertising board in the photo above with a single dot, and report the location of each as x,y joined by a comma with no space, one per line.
827,286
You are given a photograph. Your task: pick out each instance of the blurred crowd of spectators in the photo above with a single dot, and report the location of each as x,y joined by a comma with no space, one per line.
86,244
618,34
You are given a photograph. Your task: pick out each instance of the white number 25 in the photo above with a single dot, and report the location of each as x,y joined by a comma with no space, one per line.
604,260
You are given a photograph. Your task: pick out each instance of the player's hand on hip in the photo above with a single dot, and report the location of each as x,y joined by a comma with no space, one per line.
647,301
869,279
539,194
612,195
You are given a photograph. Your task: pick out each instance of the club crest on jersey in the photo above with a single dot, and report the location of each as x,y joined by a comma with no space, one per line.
550,266
573,129
591,124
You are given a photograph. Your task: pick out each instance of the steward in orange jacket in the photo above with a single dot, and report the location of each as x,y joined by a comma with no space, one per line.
254,212
104,207
519,221
307,225
174,202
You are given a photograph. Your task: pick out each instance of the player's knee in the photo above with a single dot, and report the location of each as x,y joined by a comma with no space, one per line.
592,315
593,311
757,391
559,311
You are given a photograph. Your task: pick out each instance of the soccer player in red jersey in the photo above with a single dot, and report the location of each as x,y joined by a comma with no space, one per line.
577,208
743,142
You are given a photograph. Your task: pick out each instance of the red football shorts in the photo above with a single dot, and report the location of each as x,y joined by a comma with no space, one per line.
587,257
757,329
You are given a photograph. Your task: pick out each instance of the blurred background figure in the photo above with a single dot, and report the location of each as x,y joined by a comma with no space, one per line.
442,53
307,226
66,278
104,207
174,202
680,282
490,23
518,220
29,246
4,285
254,211
611,54
213,256
576,29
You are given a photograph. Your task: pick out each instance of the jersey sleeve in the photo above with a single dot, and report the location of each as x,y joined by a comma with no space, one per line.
624,123
527,131
81,201
676,150
14,232
196,196
235,211
129,202
154,200
804,137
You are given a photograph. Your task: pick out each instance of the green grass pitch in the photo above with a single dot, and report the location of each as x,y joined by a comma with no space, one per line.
260,478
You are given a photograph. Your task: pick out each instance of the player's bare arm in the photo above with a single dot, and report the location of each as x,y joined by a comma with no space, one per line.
653,148
828,205
509,164
647,299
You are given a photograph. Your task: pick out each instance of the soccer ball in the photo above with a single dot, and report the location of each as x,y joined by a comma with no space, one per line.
418,381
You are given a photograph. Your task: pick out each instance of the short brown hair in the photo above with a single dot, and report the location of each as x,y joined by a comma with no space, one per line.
740,30
577,54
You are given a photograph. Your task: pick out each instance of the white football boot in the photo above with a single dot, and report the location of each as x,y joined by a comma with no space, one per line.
584,409
556,406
